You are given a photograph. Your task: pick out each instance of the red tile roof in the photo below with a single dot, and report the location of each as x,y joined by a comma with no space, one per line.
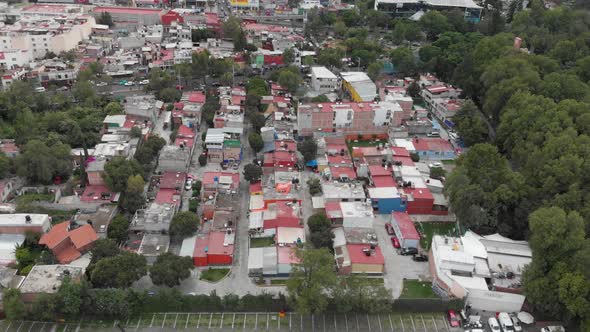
83,236
208,178
189,143
186,132
333,210
406,226
342,170
378,170
256,187
406,161
432,144
168,196
286,255
56,235
357,256
384,181
67,255
127,10
215,244
286,145
172,180
419,193
196,97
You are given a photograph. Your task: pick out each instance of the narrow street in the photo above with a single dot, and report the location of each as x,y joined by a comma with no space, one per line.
237,282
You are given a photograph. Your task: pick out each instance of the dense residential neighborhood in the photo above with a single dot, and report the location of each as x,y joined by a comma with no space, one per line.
294,165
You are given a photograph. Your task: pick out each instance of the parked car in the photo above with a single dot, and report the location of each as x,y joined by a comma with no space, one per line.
454,320
408,251
99,84
62,88
494,325
40,89
395,242
420,258
189,184
144,82
556,328
180,87
505,322
516,323
433,134
129,83
389,229
122,82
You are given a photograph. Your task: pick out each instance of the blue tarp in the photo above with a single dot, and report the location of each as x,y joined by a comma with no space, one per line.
312,163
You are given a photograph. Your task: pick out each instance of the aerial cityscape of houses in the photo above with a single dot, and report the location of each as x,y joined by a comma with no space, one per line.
232,143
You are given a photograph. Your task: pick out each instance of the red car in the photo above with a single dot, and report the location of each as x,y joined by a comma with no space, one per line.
454,320
395,242
389,229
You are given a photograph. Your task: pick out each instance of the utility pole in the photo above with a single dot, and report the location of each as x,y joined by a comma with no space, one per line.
359,64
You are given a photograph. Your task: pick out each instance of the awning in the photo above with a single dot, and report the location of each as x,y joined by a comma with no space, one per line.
312,163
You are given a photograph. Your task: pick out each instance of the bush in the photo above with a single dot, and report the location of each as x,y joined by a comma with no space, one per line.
193,204
202,160
415,157
315,186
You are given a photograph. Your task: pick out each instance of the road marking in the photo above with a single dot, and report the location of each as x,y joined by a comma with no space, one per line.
379,319
290,317
413,325
423,322
138,322
368,322
31,326
390,322
152,322
233,321
357,322
210,319
267,320
164,320
175,319
434,322
301,325
446,324
199,320
346,321
335,325
402,321
256,323
126,323
245,316
21,324
187,319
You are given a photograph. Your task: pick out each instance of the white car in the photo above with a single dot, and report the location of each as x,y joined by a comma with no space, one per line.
516,323
494,325
144,82
102,84
40,89
129,83
553,329
189,184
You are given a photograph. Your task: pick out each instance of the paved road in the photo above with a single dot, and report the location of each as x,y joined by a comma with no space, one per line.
238,281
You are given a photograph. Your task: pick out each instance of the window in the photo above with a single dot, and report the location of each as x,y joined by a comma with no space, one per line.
349,116
388,114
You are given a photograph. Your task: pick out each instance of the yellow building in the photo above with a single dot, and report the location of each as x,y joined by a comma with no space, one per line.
359,86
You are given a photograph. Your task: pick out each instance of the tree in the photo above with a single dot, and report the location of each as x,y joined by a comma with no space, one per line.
117,173
84,93
308,149
184,224
4,165
119,229
320,99
170,270
105,19
14,308
290,81
312,280
403,59
320,229
359,294
169,95
40,163
340,29
437,172
135,132
202,160
240,41
119,271
257,86
434,23
150,149
471,124
104,248
256,142
414,90
315,186
288,56
69,297
134,198
231,28
257,121
113,108
252,173
374,70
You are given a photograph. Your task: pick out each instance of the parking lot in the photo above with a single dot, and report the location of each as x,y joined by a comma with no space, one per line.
426,322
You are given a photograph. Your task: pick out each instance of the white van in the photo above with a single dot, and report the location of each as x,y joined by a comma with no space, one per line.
40,89
493,323
505,322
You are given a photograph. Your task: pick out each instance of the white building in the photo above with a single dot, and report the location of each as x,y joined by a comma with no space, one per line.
13,58
323,80
47,28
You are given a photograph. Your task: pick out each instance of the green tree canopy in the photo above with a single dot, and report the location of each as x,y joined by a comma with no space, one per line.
255,141
252,173
308,149
170,270
118,271
117,172
40,163
184,224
